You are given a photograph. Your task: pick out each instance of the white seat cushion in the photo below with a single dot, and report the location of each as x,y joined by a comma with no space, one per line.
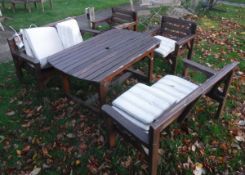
166,47
142,104
69,33
43,42
175,86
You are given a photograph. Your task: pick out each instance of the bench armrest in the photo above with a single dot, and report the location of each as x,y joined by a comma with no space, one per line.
196,66
26,58
92,31
185,40
97,21
127,125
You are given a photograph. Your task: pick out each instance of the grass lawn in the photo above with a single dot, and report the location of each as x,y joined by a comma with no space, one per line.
236,1
44,129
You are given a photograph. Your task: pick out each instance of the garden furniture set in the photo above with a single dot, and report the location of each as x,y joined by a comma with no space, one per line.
143,111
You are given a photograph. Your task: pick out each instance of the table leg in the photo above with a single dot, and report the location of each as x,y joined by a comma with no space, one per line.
151,65
66,83
103,89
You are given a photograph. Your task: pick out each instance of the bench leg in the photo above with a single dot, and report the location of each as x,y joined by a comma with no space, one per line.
227,83
112,133
153,151
19,72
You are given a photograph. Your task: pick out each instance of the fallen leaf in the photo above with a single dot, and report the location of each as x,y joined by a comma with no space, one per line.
10,113
18,152
35,171
199,169
240,138
26,148
70,135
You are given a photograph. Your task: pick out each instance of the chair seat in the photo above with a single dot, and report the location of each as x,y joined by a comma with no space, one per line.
166,47
142,104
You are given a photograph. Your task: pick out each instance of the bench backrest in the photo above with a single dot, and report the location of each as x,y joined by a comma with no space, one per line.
120,16
178,109
176,28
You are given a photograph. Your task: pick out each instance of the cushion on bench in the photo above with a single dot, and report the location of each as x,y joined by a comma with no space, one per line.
43,42
69,33
142,104
175,86
166,47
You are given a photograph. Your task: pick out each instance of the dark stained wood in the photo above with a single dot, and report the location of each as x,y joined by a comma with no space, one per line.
120,16
176,111
106,56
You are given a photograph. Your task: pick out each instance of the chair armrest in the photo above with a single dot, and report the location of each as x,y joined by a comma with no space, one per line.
185,40
196,66
129,126
154,31
26,58
92,31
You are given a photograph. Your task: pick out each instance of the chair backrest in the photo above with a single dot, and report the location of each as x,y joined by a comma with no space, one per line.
178,109
120,16
176,28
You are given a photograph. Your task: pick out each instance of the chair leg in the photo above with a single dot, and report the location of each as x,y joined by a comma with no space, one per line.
42,6
50,4
112,133
154,156
13,7
190,49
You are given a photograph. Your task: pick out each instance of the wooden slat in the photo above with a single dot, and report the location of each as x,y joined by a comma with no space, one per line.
124,11
123,16
118,56
101,59
117,67
94,59
89,55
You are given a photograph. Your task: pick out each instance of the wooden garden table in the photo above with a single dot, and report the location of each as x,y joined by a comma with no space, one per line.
100,59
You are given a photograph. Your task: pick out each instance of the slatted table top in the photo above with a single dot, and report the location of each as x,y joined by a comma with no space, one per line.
103,55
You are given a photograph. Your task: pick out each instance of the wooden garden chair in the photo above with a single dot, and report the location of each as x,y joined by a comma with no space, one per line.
39,45
120,18
176,36
143,112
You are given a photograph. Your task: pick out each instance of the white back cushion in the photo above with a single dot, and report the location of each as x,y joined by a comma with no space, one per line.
43,42
166,47
69,33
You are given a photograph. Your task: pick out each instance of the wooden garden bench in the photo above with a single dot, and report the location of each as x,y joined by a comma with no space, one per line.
35,66
120,18
176,35
143,112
